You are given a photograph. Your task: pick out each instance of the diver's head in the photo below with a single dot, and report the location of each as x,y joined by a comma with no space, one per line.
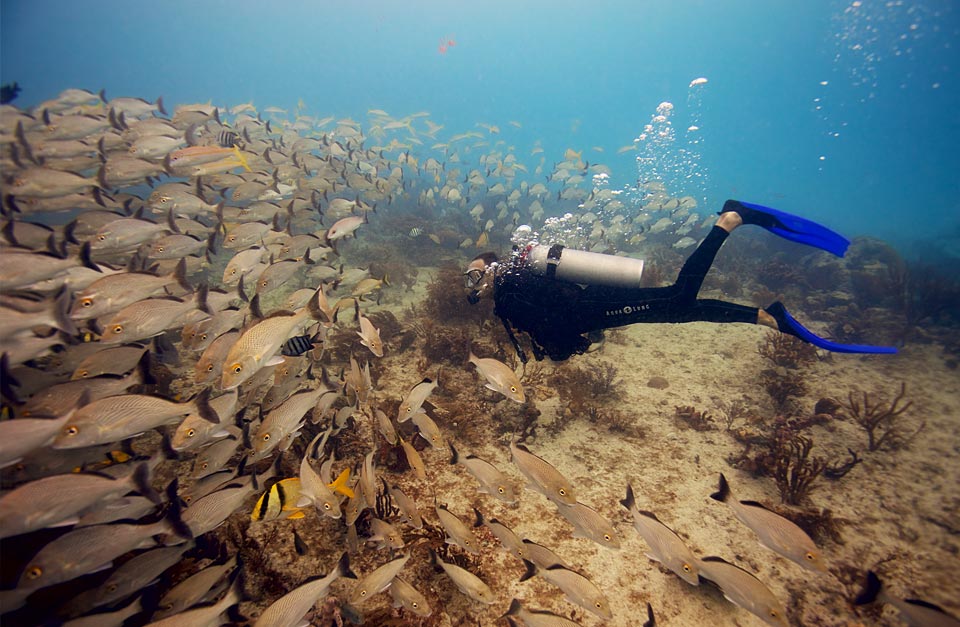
475,278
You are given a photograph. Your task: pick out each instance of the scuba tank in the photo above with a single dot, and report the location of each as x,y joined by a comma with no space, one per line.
581,266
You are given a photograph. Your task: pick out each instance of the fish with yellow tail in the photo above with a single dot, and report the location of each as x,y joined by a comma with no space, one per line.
500,378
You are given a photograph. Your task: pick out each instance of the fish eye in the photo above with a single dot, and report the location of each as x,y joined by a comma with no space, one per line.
83,374
204,465
203,337
686,568
266,437
414,605
327,507
72,430
86,302
810,556
237,368
112,588
363,593
34,572
513,388
233,271
263,283
501,490
773,613
187,499
159,249
562,492
191,433
118,328
210,368
606,537
598,605
102,238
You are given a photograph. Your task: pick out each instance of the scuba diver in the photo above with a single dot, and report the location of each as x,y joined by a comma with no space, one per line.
9,92
563,298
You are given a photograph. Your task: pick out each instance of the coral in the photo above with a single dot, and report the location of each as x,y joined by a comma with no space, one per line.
446,300
581,383
787,351
732,411
880,420
793,469
819,523
777,275
836,471
689,417
783,386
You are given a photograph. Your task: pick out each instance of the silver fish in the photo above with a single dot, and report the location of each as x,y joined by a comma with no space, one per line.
87,550
542,556
314,490
290,609
429,430
408,507
467,582
415,398
590,524
260,344
384,535
369,335
665,545
511,542
132,576
377,581
773,530
120,417
150,317
193,589
206,616
912,611
281,425
500,378
577,588
414,459
542,477
212,458
115,291
211,511
117,360
457,531
197,430
492,481
744,590
210,365
406,596
56,500
22,436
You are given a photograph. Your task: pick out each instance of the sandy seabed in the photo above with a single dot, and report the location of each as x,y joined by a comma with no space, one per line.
899,509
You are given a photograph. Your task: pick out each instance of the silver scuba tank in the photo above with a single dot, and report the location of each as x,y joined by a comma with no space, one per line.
581,266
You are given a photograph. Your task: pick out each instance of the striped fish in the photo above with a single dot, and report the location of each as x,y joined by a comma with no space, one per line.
416,232
296,346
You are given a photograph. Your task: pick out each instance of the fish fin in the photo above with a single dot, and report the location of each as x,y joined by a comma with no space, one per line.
276,360
296,515
872,587
340,484
723,490
654,558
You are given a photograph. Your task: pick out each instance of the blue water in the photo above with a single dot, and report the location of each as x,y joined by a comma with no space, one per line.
575,75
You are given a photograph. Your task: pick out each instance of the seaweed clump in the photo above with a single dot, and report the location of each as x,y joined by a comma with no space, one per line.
881,420
793,468
788,355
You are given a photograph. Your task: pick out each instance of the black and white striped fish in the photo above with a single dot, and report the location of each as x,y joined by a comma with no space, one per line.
296,346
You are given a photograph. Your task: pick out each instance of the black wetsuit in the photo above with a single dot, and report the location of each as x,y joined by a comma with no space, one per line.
556,314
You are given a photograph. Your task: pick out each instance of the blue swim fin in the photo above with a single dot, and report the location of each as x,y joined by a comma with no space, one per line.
789,226
790,326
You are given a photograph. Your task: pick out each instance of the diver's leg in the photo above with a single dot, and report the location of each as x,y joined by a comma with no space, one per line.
698,263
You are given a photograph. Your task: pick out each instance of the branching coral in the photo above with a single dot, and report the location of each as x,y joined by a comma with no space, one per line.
793,468
786,351
880,420
783,386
